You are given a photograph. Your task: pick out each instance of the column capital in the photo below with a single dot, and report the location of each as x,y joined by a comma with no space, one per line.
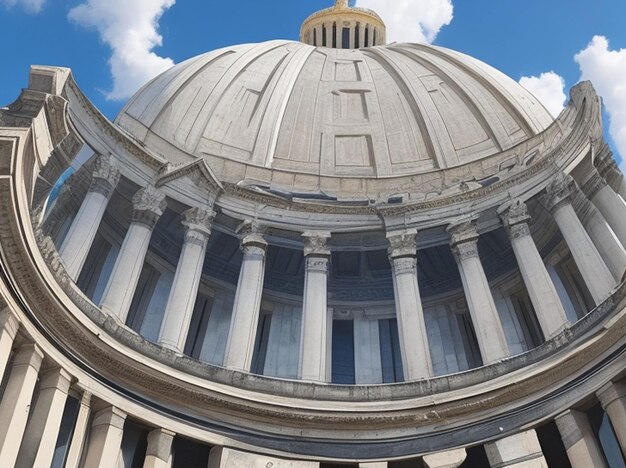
160,443
148,206
105,175
110,416
611,392
56,378
402,243
607,167
251,235
463,240
515,219
316,243
198,225
559,191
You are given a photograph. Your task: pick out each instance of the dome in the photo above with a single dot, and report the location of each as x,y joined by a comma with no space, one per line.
383,111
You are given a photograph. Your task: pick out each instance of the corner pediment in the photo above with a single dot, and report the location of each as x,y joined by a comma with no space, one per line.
198,171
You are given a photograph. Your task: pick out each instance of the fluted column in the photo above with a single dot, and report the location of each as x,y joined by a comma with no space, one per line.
77,243
519,450
607,167
543,295
594,271
487,325
80,432
448,459
603,237
148,206
8,329
184,291
314,359
416,360
613,400
580,442
16,400
247,303
159,451
37,449
105,438
610,205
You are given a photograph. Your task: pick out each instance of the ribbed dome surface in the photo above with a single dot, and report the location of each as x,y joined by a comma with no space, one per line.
376,112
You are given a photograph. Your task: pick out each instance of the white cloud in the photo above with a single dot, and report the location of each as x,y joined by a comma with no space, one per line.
129,27
411,20
606,69
549,88
30,6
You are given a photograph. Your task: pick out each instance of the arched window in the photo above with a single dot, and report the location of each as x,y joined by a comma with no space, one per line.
324,43
367,36
315,37
357,36
334,46
374,41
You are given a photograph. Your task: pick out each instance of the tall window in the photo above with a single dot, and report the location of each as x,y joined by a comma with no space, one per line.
367,36
374,41
324,42
334,35
343,371
262,340
390,357
357,36
345,38
315,37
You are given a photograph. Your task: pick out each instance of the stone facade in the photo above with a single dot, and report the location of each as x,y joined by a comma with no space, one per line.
176,303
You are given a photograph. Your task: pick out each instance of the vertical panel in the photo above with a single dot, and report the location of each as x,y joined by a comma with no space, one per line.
343,352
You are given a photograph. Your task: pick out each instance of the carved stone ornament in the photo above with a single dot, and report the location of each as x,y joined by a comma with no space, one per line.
198,223
594,185
105,176
316,243
251,235
515,219
148,206
559,191
402,265
464,240
402,244
317,264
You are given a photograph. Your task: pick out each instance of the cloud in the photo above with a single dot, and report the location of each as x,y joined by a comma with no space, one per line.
606,69
549,88
30,6
130,28
411,20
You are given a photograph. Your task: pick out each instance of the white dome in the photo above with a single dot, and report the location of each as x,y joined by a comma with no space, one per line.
377,112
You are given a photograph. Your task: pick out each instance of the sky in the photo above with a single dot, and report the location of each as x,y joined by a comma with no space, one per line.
114,46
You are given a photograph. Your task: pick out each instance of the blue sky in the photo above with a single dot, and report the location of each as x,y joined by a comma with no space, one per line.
521,38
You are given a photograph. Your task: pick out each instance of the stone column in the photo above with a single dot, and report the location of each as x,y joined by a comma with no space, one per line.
247,303
80,431
610,205
16,400
148,206
607,167
224,457
487,325
9,326
184,289
447,459
610,248
37,449
416,360
594,271
613,400
543,295
105,438
159,452
314,359
77,243
580,442
519,450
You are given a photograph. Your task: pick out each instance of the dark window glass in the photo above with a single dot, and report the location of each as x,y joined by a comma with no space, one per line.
262,339
552,445
345,38
66,431
391,359
334,35
374,41
604,432
367,36
134,444
198,325
189,454
324,43
315,37
94,264
343,352
476,458
143,294
357,36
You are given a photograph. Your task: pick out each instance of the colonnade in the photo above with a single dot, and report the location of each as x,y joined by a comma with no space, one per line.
560,198
29,433
361,35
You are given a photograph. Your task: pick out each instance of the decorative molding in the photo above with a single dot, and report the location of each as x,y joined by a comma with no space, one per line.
198,225
148,206
105,175
316,243
515,218
559,191
402,243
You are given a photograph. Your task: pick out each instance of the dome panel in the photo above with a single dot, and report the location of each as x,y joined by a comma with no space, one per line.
374,112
